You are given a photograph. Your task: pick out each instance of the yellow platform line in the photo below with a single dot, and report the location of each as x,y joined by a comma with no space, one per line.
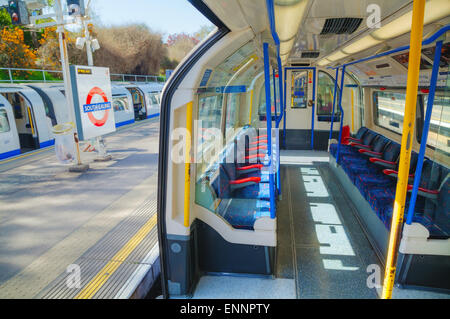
108,270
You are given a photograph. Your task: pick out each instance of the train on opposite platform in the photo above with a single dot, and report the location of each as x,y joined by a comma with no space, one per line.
29,111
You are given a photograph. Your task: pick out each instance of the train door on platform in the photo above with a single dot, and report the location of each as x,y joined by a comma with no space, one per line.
140,111
25,122
300,103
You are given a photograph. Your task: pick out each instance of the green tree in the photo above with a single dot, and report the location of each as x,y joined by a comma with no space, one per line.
5,19
203,32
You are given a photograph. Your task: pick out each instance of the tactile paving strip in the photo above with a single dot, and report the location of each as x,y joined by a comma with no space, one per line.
102,253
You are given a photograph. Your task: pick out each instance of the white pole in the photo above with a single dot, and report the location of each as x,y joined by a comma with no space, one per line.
87,35
66,77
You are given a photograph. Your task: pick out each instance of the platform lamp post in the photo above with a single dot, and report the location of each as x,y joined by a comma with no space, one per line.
91,46
79,167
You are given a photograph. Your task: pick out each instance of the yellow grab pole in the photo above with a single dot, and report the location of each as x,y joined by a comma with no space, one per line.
31,121
187,164
405,153
251,105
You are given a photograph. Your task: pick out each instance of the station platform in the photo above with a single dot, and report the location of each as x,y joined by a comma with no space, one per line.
82,235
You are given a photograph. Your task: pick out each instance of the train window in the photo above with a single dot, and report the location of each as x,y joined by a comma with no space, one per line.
325,94
153,98
4,123
231,116
262,101
16,102
120,104
209,115
439,132
299,90
389,110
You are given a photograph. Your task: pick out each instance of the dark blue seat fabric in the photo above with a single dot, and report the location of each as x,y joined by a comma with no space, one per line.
242,213
228,173
347,149
239,212
431,208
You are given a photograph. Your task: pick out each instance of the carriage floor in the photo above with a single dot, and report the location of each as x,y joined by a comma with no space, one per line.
321,245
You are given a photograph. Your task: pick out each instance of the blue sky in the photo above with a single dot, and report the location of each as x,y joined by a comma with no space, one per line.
165,16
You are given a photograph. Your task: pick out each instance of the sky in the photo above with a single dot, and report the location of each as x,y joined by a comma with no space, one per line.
165,16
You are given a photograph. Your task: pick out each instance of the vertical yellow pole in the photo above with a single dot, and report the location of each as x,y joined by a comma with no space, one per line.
353,116
31,120
405,153
251,105
187,164
292,89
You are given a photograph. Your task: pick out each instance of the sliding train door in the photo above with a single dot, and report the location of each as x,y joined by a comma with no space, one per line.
300,103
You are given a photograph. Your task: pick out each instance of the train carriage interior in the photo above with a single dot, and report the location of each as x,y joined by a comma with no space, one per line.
305,199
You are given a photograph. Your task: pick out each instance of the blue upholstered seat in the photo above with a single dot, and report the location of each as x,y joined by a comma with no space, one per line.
378,189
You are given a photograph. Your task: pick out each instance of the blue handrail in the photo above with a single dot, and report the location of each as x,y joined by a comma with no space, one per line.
427,41
280,84
334,102
426,127
284,106
342,114
274,96
269,128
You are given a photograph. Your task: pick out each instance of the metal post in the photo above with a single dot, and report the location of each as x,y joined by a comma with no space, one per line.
277,123
10,76
284,106
405,152
66,73
274,96
313,107
342,114
426,127
269,127
334,103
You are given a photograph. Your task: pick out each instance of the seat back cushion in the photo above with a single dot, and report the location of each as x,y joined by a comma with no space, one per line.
391,152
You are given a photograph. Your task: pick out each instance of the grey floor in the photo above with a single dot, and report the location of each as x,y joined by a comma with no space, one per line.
320,245
228,287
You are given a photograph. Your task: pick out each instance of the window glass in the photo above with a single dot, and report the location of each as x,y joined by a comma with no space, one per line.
439,132
299,90
4,123
262,101
222,94
389,110
209,116
120,104
153,98
231,116
325,94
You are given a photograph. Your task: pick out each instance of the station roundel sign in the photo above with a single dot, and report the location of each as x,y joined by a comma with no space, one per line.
94,91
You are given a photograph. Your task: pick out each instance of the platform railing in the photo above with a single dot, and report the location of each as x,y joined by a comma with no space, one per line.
21,75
